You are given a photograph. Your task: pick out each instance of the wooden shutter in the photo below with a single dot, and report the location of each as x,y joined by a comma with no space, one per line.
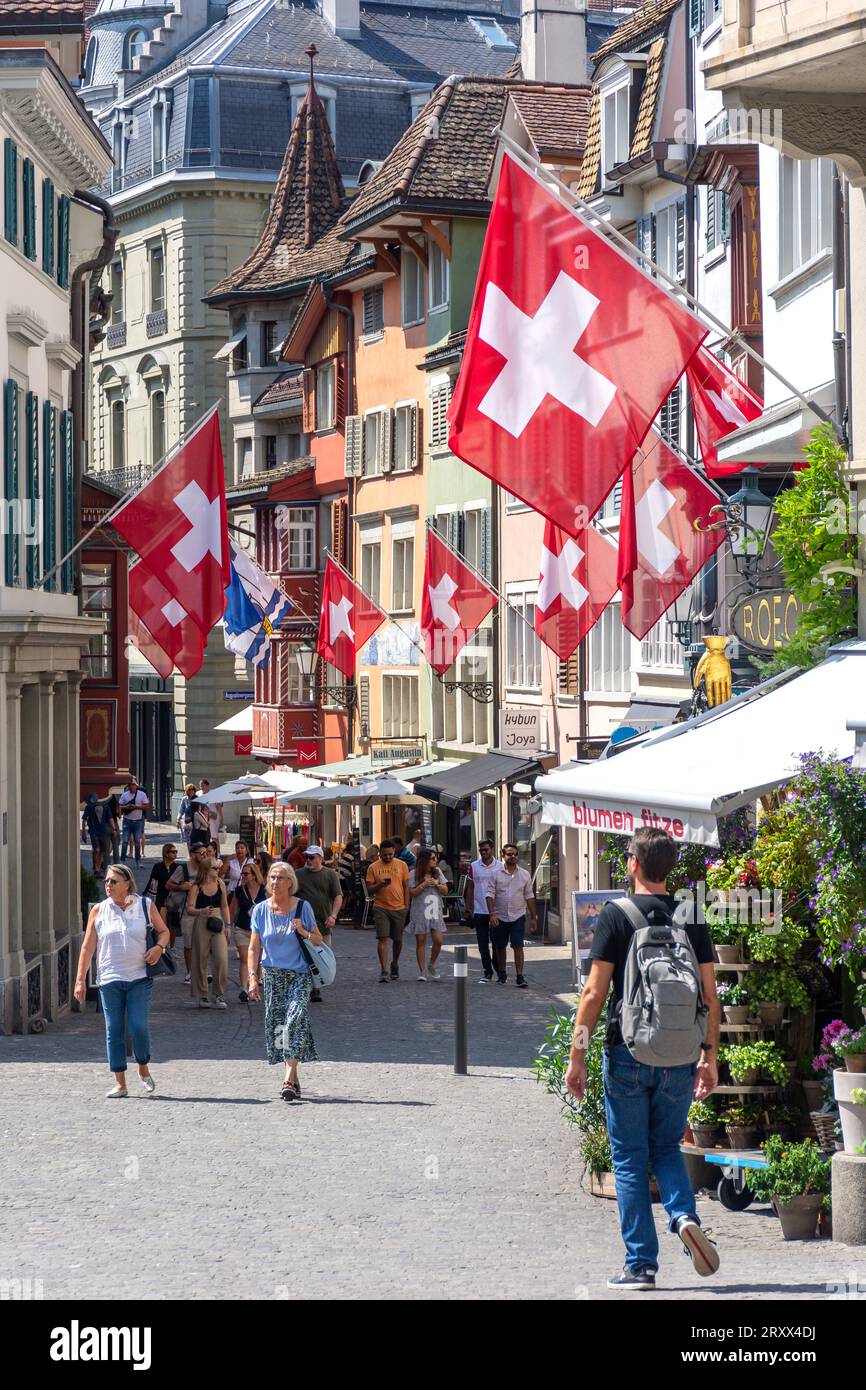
308,409
339,517
724,218
10,190
11,477
439,399
486,545
364,704
680,223
374,317
695,17
646,236
568,671
354,455
48,226
28,183
711,218
67,530
386,441
63,242
32,549
340,390
669,417
413,436
49,488
454,531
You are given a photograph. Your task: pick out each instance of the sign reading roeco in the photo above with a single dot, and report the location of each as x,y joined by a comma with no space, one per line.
520,730
766,621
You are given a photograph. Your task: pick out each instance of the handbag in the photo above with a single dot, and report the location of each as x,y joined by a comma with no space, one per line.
166,964
321,960
215,924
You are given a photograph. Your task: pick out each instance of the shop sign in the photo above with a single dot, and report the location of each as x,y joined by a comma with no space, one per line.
237,694
412,753
519,730
243,745
620,818
765,621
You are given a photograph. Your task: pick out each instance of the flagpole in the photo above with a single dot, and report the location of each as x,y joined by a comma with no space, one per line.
545,176
127,496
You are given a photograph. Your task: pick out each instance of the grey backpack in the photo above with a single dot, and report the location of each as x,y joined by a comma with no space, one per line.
662,1013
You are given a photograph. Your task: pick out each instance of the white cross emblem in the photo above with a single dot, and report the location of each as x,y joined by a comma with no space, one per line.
338,619
540,357
440,601
656,548
173,613
558,578
205,535
728,408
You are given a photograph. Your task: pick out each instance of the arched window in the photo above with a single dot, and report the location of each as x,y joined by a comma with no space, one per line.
90,59
118,434
133,45
157,426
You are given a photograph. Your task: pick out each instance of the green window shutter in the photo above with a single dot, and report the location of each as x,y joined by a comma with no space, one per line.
31,536
10,191
49,490
63,242
48,226
67,531
711,218
28,182
10,476
724,217
695,17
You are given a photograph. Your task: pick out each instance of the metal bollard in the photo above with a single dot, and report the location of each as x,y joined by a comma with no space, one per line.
461,1002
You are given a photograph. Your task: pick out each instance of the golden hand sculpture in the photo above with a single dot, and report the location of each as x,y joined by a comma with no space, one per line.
716,671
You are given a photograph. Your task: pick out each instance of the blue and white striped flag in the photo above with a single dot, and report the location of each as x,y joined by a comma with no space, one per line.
254,607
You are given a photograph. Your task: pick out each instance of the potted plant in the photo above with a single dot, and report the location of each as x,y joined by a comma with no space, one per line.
796,1181
727,939
704,1123
850,1094
851,1047
742,1124
813,1087
748,1062
734,1000
774,988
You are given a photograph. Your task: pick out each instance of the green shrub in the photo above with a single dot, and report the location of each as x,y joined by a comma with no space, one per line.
765,1057
793,1170
746,1114
703,1112
588,1115
778,985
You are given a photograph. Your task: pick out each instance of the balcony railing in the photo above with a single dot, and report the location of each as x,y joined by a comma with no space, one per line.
116,335
157,323
122,480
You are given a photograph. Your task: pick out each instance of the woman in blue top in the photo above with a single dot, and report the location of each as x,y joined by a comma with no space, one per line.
275,926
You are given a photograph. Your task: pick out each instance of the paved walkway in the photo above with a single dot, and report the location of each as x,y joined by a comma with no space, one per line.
393,1179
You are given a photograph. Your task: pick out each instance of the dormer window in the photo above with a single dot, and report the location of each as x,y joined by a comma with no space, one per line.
133,46
491,32
615,133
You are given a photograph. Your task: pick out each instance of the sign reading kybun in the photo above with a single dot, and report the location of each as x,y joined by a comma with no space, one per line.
519,730
767,620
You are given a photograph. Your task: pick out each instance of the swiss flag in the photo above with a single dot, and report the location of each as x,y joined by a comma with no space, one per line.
178,525
165,621
660,552
578,580
570,353
721,403
348,619
455,601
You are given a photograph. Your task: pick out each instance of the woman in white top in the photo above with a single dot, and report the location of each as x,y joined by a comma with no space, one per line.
117,932
427,888
231,869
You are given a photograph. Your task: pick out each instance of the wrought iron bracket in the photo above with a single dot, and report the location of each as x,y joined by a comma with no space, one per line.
343,695
480,691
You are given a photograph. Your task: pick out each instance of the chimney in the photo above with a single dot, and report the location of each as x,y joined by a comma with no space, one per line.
553,41
344,16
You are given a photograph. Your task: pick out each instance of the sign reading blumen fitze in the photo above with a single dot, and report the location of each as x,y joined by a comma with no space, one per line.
520,730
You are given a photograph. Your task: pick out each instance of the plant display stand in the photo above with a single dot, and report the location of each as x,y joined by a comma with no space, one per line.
733,1190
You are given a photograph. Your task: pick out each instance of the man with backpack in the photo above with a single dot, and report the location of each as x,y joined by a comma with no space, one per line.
661,1051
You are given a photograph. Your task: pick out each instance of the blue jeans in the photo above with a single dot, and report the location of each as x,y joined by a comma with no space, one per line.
132,829
647,1109
126,1003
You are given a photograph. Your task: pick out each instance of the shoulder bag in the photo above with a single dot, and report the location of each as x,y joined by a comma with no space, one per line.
165,965
321,960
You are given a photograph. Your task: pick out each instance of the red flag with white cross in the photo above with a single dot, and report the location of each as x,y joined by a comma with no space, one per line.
455,602
178,524
159,617
720,403
570,353
578,580
660,551
348,619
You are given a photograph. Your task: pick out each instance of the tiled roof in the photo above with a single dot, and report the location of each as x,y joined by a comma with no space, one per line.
299,241
445,156
42,11
649,19
646,116
592,150
555,118
286,388
261,482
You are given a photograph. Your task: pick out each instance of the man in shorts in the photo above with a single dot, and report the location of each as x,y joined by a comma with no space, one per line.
320,887
388,885
509,898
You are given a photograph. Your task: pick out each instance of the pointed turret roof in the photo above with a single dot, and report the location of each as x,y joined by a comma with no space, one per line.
298,243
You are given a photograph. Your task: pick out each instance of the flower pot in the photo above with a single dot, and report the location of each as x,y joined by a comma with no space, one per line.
853,1117
855,1061
736,1013
728,955
705,1135
799,1216
814,1093
771,1014
739,1137
747,1078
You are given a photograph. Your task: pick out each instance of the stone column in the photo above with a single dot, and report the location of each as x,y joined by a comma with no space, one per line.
68,907
11,826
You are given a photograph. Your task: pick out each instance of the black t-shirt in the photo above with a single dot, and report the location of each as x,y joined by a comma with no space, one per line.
613,936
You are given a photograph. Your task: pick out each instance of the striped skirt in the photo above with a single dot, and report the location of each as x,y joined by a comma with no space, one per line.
287,1022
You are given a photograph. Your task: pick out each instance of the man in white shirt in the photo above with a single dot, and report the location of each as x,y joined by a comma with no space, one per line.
133,803
509,898
214,809
481,870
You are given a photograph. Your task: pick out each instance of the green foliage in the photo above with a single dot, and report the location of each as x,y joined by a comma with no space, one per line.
860,996
784,1116
831,797
851,1044
793,1170
781,943
858,1095
550,1066
703,1112
595,1151
745,1114
811,531
732,996
765,1057
778,984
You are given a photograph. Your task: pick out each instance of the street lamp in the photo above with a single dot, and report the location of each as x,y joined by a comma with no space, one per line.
306,658
749,514
681,616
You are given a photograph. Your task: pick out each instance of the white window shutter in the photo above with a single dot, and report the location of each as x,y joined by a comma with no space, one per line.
354,446
438,406
386,441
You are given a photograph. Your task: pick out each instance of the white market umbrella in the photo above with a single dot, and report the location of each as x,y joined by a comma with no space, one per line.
382,791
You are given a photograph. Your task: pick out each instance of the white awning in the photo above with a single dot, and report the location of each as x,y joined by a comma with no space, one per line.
228,348
240,723
686,776
780,433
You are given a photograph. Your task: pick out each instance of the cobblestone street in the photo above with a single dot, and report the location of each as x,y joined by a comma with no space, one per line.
392,1179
